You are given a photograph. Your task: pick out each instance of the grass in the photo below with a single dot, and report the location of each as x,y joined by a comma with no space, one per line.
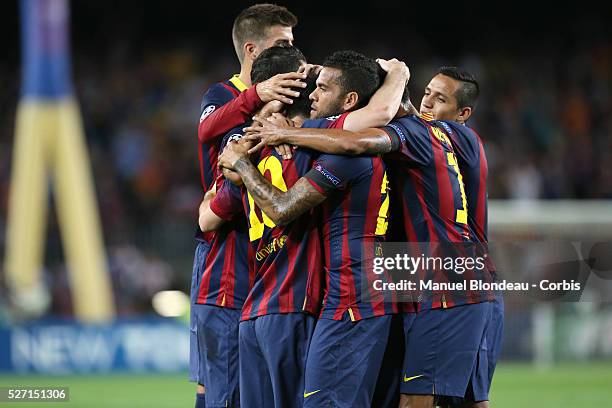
515,385
567,385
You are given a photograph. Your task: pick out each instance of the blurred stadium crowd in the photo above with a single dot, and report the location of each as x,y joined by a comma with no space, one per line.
545,114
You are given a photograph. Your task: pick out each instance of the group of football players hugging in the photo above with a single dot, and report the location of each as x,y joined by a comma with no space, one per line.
307,169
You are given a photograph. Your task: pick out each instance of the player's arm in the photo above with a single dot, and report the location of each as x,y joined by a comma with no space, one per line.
281,207
385,102
333,141
217,208
221,119
208,220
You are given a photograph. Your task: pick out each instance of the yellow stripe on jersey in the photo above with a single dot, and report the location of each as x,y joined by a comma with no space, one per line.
235,80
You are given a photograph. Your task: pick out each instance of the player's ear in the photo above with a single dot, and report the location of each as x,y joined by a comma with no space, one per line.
250,49
464,114
350,101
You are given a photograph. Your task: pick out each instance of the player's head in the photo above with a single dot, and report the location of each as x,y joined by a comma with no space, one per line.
346,82
276,60
450,95
301,104
262,26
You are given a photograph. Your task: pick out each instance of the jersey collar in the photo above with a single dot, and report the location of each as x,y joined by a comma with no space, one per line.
426,116
235,80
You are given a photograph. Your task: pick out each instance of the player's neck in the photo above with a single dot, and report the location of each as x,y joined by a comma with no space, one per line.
405,110
245,73
411,110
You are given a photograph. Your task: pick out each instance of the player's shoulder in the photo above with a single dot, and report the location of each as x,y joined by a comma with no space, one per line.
301,158
459,129
461,135
321,123
343,170
409,125
307,155
234,134
351,162
219,93
219,89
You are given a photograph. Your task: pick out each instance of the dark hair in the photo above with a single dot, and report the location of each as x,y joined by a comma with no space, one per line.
301,104
406,96
467,95
276,60
252,23
358,74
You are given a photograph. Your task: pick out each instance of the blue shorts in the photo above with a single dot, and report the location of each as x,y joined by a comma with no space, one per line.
218,354
387,392
495,334
492,348
199,260
344,362
273,351
445,350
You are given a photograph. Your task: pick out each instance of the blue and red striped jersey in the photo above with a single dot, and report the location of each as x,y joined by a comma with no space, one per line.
287,259
427,182
354,222
473,166
335,122
228,276
428,189
224,106
472,160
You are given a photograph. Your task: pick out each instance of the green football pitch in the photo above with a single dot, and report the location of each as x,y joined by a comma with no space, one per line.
515,385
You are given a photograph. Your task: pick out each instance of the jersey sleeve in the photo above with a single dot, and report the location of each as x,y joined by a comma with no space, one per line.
233,135
220,111
227,204
330,172
409,143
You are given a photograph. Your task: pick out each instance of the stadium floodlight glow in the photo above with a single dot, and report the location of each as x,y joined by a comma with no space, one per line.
170,303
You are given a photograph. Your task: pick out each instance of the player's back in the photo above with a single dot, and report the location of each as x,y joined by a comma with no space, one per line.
287,259
213,100
472,160
355,221
474,169
228,275
427,185
216,96
430,200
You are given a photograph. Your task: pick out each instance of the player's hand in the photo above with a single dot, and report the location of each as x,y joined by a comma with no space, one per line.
394,66
308,68
233,152
268,134
278,119
271,108
280,87
257,122
232,176
284,150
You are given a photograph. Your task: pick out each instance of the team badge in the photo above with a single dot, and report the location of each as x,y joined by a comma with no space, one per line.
234,138
209,109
